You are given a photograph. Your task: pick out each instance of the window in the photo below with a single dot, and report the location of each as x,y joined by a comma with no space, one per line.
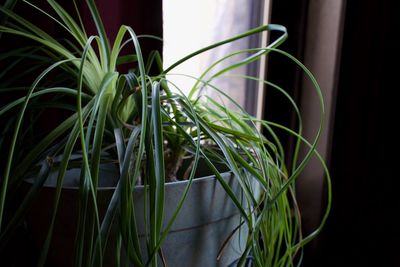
191,24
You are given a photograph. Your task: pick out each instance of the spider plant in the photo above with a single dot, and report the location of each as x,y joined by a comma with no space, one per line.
143,123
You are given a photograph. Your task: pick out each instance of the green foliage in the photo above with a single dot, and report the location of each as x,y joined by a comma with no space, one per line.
137,121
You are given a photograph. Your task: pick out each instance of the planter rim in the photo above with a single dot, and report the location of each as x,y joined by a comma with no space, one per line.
140,187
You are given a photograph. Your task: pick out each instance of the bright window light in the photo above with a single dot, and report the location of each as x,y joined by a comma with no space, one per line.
193,24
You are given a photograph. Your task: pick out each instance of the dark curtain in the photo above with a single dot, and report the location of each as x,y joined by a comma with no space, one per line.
293,15
363,229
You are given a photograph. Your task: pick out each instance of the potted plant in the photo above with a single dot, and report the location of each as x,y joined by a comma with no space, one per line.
122,169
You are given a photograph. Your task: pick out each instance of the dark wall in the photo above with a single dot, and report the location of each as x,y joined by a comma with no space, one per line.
145,17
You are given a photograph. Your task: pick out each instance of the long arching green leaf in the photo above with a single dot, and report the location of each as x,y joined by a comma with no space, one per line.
103,42
158,159
269,27
54,90
21,114
89,177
